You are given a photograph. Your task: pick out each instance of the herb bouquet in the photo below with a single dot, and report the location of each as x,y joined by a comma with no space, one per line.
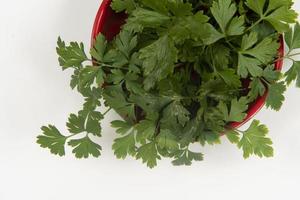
180,72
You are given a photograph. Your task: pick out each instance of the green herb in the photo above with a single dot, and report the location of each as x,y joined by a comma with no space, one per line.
178,74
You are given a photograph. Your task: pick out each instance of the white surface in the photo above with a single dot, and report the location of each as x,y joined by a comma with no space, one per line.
34,91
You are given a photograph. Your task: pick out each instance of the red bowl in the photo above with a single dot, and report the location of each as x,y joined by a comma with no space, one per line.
108,22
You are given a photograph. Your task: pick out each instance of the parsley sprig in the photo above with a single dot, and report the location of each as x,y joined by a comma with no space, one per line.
179,72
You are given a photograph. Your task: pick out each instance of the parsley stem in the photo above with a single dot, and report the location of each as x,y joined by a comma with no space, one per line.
287,57
240,131
296,54
106,65
265,81
255,24
67,137
107,111
282,58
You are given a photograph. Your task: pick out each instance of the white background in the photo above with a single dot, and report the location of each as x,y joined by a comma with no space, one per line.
34,91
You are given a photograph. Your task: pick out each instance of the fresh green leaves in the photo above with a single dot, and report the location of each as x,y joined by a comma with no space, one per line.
237,111
252,57
275,96
70,56
293,74
223,11
166,140
115,98
87,79
186,157
124,146
253,141
194,27
142,18
256,6
99,48
292,38
158,60
257,88
277,12
84,147
52,139
179,72
123,5
176,111
148,154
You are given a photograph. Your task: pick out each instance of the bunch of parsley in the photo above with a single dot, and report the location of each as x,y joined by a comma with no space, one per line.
179,72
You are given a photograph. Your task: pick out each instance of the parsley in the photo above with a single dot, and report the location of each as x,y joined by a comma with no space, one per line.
148,153
224,11
179,72
253,140
52,139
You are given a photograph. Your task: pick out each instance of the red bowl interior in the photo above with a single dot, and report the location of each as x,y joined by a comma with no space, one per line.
108,22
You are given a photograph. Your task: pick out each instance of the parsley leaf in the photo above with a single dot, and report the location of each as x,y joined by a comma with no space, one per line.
84,147
156,5
122,5
233,136
257,88
166,140
148,153
93,123
265,51
250,58
85,121
248,65
179,8
254,141
278,12
99,48
223,11
178,111
293,74
145,130
115,98
236,26
142,18
76,123
124,146
87,76
70,56
230,78
122,127
194,27
126,42
292,37
158,60
275,96
52,139
271,75
186,157
237,111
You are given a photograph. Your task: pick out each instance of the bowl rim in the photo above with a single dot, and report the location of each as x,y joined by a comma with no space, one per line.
254,107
